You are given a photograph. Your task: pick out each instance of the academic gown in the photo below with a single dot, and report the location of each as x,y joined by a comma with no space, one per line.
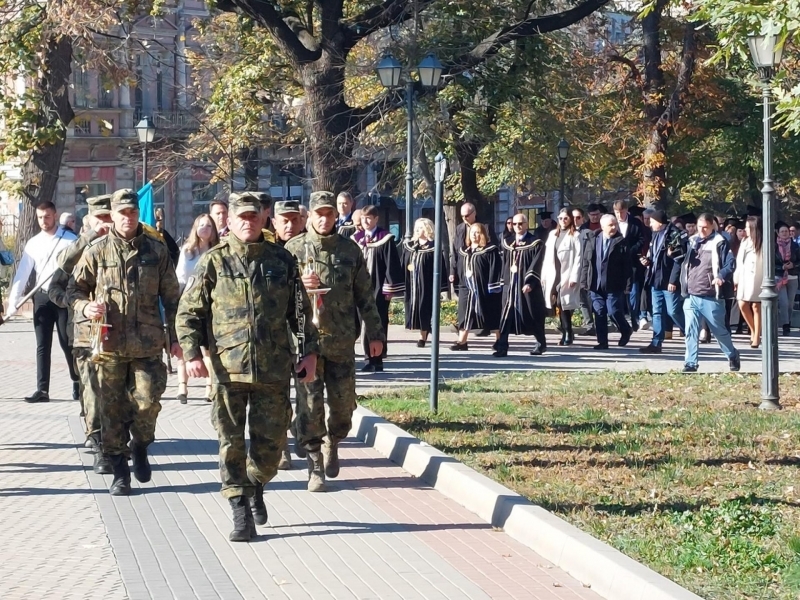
522,265
418,263
345,226
480,272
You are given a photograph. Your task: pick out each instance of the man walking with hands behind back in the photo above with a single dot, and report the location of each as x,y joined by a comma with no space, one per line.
243,293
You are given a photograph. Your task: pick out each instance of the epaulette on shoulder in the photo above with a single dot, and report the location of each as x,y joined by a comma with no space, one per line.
268,236
223,243
96,241
151,232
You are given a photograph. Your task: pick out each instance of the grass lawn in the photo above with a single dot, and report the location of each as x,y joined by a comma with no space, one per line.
680,472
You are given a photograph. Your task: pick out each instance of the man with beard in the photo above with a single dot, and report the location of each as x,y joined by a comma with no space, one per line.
523,300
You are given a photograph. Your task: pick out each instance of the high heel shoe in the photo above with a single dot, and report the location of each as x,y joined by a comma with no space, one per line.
420,343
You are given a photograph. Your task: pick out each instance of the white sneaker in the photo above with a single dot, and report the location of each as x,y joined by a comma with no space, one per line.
644,324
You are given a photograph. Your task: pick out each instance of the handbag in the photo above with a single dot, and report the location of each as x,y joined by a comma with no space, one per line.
6,258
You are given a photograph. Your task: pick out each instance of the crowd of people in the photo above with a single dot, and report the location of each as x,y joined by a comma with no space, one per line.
262,294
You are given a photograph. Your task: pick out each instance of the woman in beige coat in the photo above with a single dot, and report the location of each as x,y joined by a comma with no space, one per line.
747,278
561,272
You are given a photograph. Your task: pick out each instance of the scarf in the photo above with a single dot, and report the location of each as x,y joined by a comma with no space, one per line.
785,250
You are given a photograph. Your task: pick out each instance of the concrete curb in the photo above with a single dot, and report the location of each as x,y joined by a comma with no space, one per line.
609,572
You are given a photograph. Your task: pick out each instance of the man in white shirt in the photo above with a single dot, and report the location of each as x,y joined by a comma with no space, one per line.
40,257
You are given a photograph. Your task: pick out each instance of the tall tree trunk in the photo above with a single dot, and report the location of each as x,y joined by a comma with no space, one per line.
40,169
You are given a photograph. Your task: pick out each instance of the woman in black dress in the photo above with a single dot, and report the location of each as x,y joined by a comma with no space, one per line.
418,262
480,271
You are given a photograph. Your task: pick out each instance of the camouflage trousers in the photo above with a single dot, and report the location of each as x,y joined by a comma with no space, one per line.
87,377
268,417
339,379
130,400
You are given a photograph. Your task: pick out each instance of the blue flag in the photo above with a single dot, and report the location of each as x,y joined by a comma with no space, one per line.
147,212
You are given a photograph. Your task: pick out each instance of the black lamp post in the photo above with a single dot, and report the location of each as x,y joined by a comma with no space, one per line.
146,131
766,53
430,75
563,154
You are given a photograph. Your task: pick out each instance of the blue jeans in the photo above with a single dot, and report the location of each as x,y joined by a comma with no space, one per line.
666,308
635,300
611,305
697,308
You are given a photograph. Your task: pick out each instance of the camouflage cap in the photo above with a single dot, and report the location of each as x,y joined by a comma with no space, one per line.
286,207
99,205
124,198
242,203
322,200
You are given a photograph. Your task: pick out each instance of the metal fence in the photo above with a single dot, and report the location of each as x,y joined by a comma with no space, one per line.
10,224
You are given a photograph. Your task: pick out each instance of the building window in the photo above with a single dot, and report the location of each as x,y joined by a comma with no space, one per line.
203,193
82,192
80,83
106,91
83,126
289,179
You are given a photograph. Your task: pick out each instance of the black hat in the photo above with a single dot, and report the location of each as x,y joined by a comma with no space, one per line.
602,209
660,216
592,207
780,224
688,218
545,214
636,210
733,221
754,211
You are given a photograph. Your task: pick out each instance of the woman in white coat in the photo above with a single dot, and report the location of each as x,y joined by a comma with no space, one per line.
561,272
747,278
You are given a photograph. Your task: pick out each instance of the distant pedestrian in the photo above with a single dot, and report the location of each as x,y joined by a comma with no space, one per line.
787,268
706,280
606,265
561,271
748,279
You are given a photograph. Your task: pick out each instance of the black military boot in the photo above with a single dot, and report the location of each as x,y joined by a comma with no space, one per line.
242,531
330,452
141,466
316,472
259,509
121,486
102,464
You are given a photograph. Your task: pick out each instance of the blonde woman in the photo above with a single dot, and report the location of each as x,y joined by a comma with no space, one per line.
480,288
202,238
417,257
748,276
561,272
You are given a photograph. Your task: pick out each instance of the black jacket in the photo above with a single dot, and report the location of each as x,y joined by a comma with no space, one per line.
665,261
795,260
614,270
634,237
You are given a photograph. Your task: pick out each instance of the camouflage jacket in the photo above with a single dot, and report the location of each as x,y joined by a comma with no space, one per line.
134,275
240,299
340,265
79,335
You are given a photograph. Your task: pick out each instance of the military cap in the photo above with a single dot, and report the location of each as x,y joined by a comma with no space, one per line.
285,207
99,205
322,200
265,199
124,198
242,203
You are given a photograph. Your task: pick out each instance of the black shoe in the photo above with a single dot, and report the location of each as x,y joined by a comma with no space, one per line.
538,351
591,331
102,464
735,363
786,330
242,517
459,347
141,466
372,368
563,340
38,396
689,369
601,347
121,486
76,390
420,343
259,509
651,349
623,341
500,353
483,333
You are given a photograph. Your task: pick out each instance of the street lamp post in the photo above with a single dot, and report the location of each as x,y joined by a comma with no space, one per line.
766,53
146,131
430,74
563,153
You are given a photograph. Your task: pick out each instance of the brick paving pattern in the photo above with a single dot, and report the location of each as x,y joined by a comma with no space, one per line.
377,534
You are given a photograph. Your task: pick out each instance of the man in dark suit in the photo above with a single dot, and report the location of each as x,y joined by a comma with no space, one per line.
606,266
632,231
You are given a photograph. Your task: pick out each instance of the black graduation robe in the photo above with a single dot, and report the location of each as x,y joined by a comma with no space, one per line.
522,265
383,262
480,272
418,262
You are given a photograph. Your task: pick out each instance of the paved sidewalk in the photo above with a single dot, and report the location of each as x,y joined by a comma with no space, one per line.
378,534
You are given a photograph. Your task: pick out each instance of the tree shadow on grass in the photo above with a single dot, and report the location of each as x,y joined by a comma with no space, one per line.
418,425
635,461
633,509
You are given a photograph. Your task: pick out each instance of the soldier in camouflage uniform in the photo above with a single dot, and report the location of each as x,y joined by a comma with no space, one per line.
243,293
338,264
99,222
121,278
